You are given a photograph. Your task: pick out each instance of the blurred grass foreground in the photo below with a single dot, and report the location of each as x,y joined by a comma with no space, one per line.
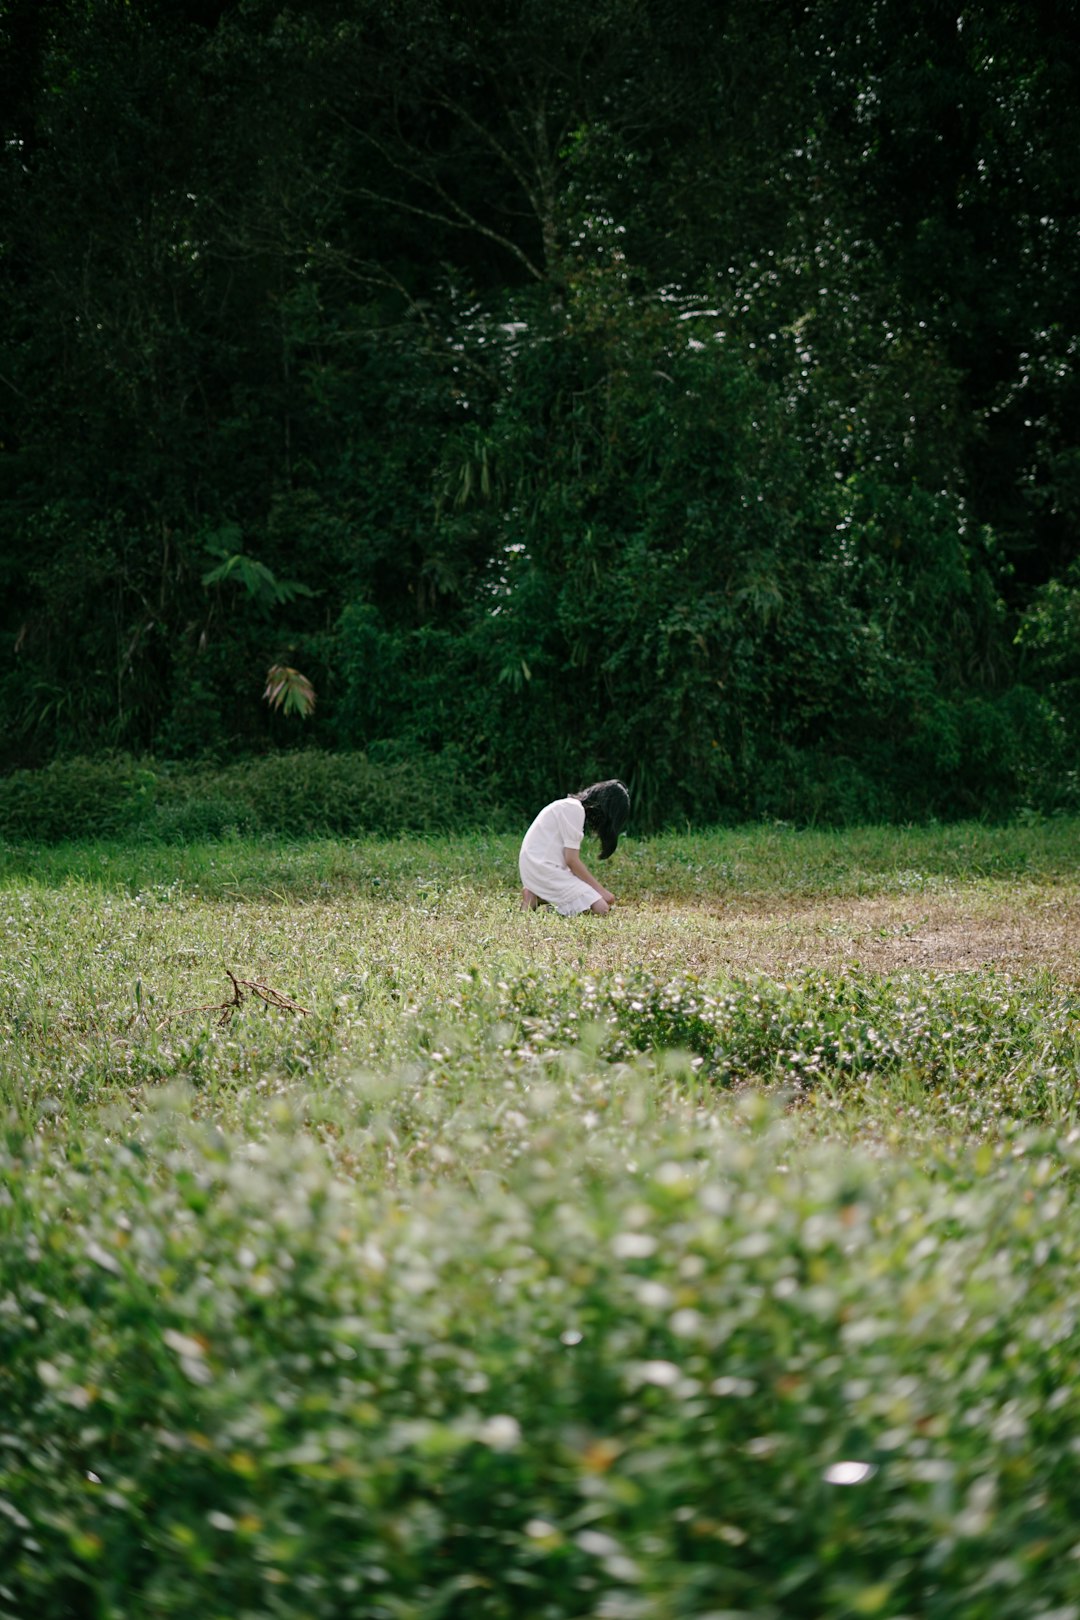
538,1267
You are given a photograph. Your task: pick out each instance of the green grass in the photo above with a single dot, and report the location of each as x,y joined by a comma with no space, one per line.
777,861
716,1258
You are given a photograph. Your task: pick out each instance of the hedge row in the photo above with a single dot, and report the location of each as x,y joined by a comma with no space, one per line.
286,795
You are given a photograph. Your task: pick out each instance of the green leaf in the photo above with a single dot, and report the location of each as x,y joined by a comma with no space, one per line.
289,691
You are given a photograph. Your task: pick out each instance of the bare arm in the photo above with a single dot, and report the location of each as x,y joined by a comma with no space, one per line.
580,870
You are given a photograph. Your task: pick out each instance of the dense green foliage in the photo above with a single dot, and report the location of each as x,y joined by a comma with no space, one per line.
298,795
684,392
526,1273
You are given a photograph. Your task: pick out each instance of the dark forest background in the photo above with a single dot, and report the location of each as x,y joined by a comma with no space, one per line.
685,391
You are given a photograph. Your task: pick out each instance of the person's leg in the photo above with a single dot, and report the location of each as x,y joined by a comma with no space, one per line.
529,902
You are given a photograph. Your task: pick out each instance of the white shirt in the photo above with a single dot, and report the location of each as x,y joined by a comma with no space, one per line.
542,864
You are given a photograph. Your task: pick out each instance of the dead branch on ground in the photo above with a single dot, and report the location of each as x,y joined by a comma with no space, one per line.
242,989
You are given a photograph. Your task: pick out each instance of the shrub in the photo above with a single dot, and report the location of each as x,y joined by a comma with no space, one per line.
76,798
291,795
299,794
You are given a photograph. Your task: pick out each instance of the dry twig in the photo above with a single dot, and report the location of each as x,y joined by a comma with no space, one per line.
241,989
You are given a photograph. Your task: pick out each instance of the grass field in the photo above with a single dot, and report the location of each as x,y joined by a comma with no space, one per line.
368,1247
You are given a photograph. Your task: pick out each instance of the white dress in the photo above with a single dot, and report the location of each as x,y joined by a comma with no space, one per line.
543,868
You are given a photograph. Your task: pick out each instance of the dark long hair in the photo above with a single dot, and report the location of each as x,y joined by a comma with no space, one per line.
607,809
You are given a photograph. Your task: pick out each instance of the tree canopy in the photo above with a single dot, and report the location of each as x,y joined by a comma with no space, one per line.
684,392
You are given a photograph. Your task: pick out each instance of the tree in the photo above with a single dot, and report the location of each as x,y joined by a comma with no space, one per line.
628,389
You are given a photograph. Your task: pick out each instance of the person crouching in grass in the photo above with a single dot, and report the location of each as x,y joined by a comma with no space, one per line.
550,863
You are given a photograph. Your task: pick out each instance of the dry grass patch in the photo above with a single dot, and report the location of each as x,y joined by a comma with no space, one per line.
1013,927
